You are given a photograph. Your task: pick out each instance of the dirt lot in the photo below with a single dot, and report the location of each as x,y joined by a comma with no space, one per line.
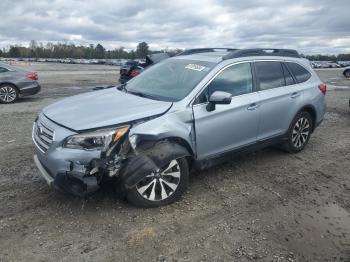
265,206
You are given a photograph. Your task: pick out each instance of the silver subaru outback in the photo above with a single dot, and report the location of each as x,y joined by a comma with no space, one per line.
188,112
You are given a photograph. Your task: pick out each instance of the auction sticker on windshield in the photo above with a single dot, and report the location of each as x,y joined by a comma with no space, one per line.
195,67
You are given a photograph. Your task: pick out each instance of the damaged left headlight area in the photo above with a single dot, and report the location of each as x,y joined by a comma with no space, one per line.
96,140
113,147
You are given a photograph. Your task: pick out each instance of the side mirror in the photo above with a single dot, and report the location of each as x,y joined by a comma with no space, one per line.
220,98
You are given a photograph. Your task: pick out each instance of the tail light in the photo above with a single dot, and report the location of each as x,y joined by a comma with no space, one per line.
33,76
323,88
134,73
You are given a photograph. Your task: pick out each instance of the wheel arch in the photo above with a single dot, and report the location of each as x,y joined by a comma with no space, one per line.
146,141
345,71
11,84
182,142
153,154
312,111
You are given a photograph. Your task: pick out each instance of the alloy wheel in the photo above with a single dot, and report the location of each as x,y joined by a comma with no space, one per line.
301,132
160,184
8,94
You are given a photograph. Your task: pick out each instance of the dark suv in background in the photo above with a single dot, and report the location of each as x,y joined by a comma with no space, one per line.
133,68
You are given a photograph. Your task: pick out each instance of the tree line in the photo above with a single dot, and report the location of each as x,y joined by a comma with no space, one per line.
333,58
63,50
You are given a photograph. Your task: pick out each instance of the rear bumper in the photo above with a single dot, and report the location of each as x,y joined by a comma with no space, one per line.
30,90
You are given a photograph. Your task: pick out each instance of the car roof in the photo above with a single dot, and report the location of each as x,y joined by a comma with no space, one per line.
5,65
10,67
13,68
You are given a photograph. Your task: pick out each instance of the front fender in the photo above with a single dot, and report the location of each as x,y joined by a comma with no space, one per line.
177,125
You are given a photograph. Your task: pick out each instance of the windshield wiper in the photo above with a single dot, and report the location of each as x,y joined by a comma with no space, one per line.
122,87
143,95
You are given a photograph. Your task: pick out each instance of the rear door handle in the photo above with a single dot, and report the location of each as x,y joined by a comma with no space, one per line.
295,95
253,106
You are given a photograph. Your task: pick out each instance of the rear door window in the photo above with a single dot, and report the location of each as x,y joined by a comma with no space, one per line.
269,74
299,72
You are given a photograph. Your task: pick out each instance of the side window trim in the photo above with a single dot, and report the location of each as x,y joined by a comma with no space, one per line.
205,87
256,87
284,77
255,78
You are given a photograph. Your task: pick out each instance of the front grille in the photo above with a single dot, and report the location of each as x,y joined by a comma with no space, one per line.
42,135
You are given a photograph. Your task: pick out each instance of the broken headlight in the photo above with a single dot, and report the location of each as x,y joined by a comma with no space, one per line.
96,140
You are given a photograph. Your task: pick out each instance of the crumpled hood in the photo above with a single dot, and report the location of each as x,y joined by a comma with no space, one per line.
103,108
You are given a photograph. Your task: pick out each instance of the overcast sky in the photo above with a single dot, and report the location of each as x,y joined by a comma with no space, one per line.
311,26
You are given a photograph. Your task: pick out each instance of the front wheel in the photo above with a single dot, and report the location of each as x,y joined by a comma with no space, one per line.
161,187
299,133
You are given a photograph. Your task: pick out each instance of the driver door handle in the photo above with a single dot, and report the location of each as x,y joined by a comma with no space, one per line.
253,106
295,95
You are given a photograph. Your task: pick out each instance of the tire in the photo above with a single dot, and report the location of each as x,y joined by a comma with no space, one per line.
8,94
299,133
347,73
154,184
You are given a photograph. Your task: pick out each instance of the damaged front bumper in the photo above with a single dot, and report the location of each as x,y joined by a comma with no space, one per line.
75,182
48,178
76,171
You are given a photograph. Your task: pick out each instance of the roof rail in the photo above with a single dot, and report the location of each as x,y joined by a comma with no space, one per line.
261,52
204,50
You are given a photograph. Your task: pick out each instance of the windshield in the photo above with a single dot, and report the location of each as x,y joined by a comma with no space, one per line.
169,80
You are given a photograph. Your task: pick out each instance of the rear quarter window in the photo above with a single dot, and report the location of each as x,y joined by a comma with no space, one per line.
299,72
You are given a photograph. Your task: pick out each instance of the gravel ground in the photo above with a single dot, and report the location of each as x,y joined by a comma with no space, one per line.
264,206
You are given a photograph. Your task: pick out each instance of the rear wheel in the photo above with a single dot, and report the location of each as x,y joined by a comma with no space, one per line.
299,133
8,94
161,187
